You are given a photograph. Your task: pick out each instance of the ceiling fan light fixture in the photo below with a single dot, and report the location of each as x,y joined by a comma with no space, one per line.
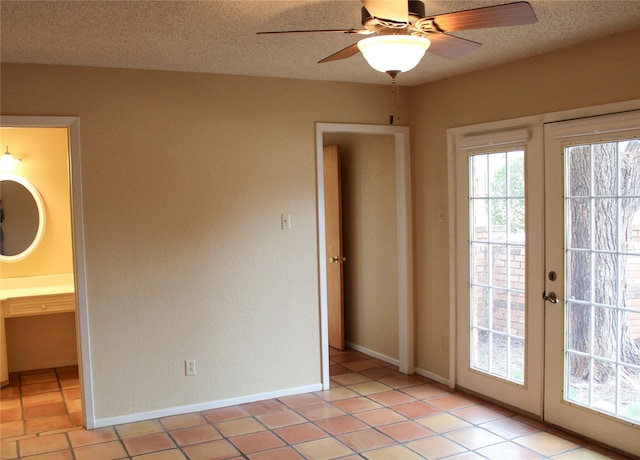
393,53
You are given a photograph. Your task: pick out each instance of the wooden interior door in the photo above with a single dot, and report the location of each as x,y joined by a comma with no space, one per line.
335,258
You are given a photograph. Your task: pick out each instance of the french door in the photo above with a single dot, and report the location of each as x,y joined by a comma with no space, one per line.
548,273
499,264
592,366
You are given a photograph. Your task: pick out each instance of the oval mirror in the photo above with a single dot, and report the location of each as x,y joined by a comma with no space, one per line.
21,218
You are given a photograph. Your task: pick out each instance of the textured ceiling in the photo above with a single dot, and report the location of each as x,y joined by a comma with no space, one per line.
219,36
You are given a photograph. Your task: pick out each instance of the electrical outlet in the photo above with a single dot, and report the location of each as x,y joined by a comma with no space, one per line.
190,367
285,221
444,344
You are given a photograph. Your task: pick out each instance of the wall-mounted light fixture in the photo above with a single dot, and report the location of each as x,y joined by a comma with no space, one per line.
8,162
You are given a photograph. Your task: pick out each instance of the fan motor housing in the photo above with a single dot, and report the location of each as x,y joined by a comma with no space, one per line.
416,11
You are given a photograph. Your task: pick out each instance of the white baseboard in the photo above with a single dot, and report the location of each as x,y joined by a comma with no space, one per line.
110,421
432,376
373,354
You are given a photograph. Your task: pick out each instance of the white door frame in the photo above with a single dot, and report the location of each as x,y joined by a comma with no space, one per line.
82,312
404,232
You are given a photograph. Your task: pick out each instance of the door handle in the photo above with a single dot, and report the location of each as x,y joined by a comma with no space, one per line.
338,260
551,297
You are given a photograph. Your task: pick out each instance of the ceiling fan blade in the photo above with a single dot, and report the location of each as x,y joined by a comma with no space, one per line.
510,14
342,54
344,31
392,10
450,47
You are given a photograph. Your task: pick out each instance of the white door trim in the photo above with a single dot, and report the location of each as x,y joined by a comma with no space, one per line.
405,239
82,311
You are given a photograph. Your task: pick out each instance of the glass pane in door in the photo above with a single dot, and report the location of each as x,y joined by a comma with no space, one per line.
497,272
602,277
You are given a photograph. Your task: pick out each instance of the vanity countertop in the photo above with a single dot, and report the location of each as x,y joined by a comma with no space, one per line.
11,288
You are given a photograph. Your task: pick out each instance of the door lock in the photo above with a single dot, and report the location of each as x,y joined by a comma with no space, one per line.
551,297
338,260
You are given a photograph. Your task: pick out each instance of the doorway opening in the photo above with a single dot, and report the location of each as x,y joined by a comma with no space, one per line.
404,259
72,127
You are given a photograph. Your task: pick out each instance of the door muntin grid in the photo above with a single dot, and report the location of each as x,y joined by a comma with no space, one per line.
497,270
602,277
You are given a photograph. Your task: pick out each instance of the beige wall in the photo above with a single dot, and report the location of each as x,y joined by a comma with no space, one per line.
370,241
595,73
185,177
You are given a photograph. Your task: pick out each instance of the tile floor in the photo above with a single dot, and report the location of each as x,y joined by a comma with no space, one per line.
372,411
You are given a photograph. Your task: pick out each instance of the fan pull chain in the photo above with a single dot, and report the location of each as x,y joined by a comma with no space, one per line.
395,100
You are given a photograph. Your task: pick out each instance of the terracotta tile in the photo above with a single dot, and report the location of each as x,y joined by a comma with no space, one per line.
71,382
280,419
337,369
176,422
337,394
394,452
10,403
345,357
149,443
134,429
391,398
478,414
173,454
401,381
425,391
44,410
59,455
42,398
282,453
341,424
224,413
443,423
379,417
195,435
361,365
508,450
405,431
302,400
470,456
436,447
76,418
369,388
262,407
323,449
43,424
583,454
380,373
509,428
452,402
73,405
474,438
301,433
9,450
238,427
256,442
351,379
71,393
319,411
104,451
364,440
43,444
359,404
213,450
88,437
10,429
39,376
9,392
415,409
545,443
11,415
38,388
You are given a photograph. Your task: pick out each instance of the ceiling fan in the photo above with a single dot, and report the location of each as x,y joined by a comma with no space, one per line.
402,33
